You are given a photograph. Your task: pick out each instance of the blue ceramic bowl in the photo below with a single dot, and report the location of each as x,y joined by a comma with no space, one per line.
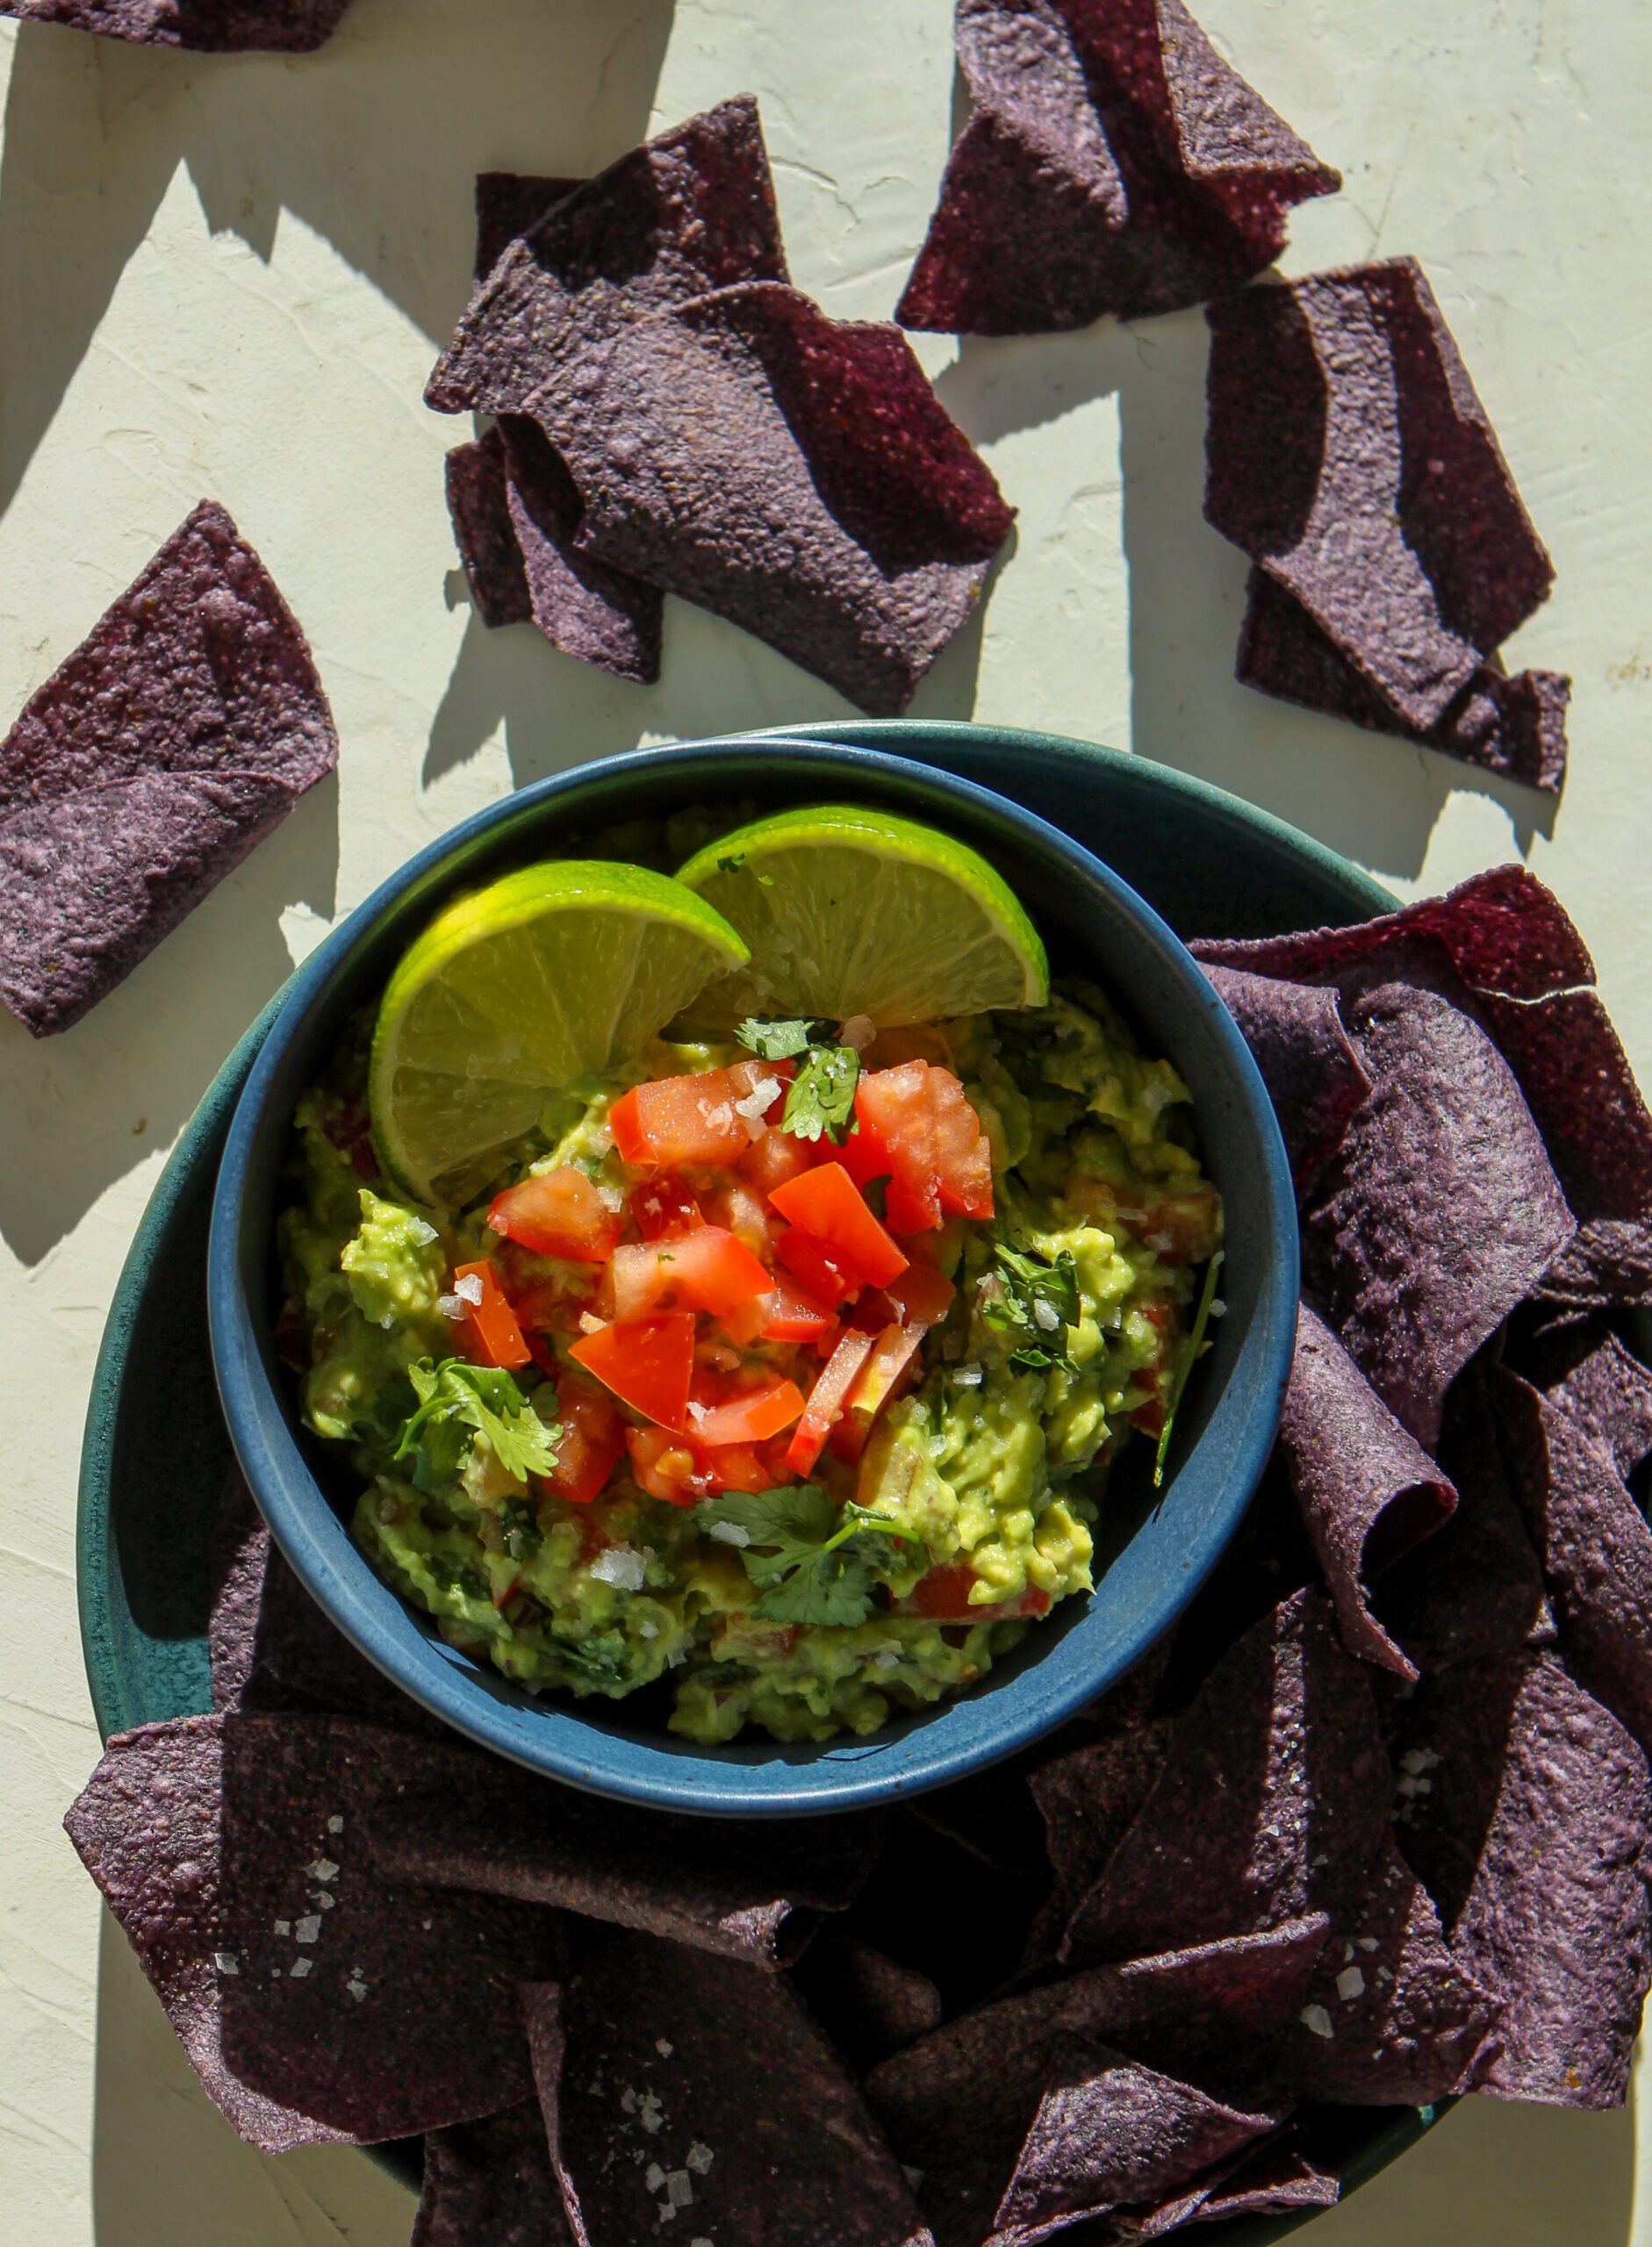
1152,1556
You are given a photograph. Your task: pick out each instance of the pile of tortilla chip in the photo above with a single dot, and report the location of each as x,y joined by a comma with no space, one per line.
1112,162
207,27
179,734
1349,456
1369,1829
670,415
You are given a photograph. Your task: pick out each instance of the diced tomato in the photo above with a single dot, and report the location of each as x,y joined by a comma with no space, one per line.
687,1119
776,1157
707,1270
826,1401
665,1205
741,1210
922,1295
942,1595
647,1362
492,1323
918,1130
791,1314
827,1205
894,1359
591,1436
558,1213
820,1273
746,1415
546,1306
682,1472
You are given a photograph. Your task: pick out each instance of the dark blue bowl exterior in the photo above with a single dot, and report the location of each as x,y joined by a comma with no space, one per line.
1092,920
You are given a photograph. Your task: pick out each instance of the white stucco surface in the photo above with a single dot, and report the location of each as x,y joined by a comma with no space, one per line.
228,277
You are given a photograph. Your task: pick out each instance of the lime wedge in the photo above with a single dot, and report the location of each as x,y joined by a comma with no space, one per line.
850,911
546,975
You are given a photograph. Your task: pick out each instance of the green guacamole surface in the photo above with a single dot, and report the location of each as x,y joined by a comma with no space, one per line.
991,1465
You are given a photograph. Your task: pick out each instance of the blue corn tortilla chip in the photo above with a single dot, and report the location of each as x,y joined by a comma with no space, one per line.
1112,163
1089,1801
1531,1837
508,205
215,1840
1109,2136
516,517
208,26
750,1892
1582,1367
1391,2018
681,2088
1273,1800
1515,726
794,474
490,2184
691,211
958,2104
1594,1546
1441,1212
1313,1074
479,502
1368,1490
869,2004
1279,2178
1349,457
1502,946
181,731
1475,1588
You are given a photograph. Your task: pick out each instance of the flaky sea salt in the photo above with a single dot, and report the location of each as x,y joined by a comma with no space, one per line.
469,1290
620,1566
728,1533
1317,2021
1350,1984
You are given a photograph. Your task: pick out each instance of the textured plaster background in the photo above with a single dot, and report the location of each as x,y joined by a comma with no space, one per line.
227,277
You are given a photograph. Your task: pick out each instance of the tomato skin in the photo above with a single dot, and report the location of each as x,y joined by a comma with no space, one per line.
647,1362
558,1213
922,1295
792,1314
826,1401
492,1323
747,1415
665,1205
942,1595
689,1118
592,1439
827,1205
740,1209
707,1270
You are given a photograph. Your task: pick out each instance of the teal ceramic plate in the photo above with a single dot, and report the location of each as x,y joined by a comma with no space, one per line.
1209,863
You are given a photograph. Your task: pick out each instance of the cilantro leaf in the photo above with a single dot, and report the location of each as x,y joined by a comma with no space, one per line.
1036,1301
781,1040
813,1561
1192,1348
458,1402
822,1095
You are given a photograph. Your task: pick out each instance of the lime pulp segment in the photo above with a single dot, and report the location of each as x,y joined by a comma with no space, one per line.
850,911
548,974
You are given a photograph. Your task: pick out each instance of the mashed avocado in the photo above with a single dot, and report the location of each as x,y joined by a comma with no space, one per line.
894,1579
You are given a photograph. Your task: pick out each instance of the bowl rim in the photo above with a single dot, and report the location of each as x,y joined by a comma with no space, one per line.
784,1780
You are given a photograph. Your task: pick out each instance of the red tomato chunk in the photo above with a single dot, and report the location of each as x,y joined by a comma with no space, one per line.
647,1362
918,1131
746,1416
558,1213
826,1401
591,1436
494,1333
942,1595
707,1270
827,1205
689,1119
666,1205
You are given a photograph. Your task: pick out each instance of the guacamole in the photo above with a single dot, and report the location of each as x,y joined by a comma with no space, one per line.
598,1459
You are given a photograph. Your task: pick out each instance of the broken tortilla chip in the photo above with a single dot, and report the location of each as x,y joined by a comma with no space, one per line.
1368,1490
691,211
794,474
663,2071
1313,1074
1112,163
508,205
207,27
490,2184
1531,1837
181,732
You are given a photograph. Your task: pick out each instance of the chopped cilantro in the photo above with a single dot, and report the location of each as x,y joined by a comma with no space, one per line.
781,1040
1193,1345
457,1402
822,1095
1036,1300
812,1561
